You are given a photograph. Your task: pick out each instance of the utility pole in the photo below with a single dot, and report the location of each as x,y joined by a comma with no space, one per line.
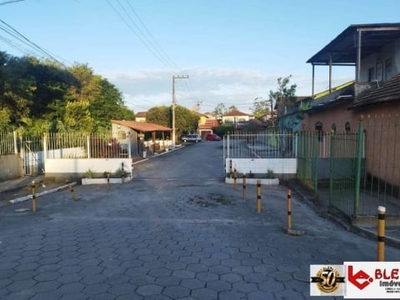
173,106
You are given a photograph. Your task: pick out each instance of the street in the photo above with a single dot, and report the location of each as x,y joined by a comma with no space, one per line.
176,231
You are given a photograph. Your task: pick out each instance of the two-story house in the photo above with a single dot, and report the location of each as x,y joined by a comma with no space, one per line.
236,118
373,52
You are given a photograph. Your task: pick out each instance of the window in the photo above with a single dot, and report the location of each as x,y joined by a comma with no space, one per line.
388,69
347,127
371,74
333,128
318,127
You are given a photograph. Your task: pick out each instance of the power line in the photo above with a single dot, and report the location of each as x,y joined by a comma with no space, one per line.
157,45
146,44
11,1
20,37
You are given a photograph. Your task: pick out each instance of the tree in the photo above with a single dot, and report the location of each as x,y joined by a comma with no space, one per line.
284,95
77,116
160,115
219,110
260,107
185,119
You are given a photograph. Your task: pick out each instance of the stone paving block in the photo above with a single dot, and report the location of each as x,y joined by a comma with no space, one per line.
47,276
71,288
76,296
160,272
122,289
192,283
207,276
168,281
50,295
137,271
46,286
96,288
142,279
204,294
245,287
220,270
271,286
92,278
231,295
25,284
260,295
183,274
232,277
149,290
219,285
176,292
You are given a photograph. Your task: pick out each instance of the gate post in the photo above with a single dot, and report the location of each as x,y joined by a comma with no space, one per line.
331,166
358,167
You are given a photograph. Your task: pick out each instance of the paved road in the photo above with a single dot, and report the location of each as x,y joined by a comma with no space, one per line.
175,232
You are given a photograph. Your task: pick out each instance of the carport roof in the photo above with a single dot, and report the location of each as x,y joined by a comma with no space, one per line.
343,49
141,126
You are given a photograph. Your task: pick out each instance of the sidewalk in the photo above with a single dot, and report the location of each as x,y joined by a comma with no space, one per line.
320,205
20,189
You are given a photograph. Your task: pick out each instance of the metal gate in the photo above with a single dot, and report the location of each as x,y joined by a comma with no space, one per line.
32,155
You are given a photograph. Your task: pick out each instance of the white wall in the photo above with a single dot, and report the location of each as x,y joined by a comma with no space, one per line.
261,166
80,166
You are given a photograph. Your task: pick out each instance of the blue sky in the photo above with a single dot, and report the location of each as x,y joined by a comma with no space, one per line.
232,50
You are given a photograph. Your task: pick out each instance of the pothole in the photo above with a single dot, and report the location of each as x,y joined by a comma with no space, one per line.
211,200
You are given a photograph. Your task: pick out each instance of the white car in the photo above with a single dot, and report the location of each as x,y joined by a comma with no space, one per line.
194,138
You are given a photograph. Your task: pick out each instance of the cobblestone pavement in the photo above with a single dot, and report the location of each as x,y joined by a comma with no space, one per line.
154,238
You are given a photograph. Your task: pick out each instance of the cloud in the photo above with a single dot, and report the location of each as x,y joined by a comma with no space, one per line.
207,87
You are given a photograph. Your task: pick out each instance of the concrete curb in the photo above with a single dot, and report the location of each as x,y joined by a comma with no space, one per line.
158,155
28,197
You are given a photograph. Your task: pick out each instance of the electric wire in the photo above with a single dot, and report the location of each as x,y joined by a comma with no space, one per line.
137,35
23,39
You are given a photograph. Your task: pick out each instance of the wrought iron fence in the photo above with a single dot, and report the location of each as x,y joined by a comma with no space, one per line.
81,145
260,144
7,143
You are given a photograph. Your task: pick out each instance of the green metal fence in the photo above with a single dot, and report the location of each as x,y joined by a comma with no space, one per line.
356,171
307,160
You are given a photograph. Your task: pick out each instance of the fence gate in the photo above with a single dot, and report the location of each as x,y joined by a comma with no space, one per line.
345,172
32,154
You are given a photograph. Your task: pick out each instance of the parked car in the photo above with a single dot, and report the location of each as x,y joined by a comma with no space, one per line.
213,137
194,138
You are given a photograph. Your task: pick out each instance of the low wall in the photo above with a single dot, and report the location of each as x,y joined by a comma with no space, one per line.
10,167
280,166
66,168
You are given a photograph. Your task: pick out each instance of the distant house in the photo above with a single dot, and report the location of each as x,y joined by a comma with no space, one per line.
236,118
140,116
206,124
290,117
141,136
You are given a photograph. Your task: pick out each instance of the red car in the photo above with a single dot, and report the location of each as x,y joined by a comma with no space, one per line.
212,137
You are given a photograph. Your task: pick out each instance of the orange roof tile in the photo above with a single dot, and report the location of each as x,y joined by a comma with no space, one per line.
141,126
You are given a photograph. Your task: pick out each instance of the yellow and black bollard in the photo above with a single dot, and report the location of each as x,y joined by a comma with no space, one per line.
122,173
381,233
234,179
258,204
244,187
72,190
289,209
33,191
